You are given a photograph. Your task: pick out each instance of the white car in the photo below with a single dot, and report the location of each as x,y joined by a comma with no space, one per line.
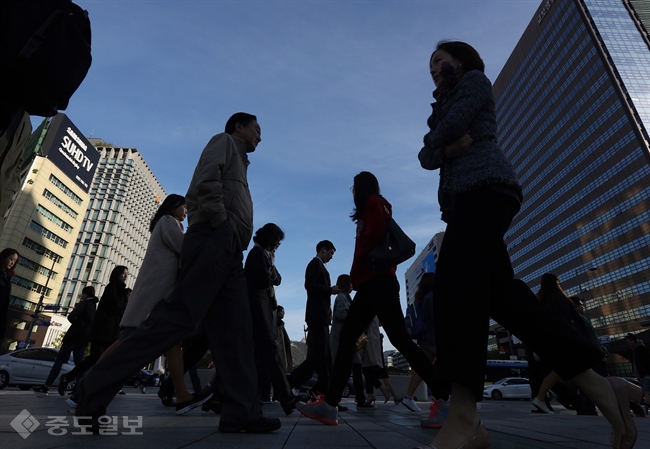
509,387
28,367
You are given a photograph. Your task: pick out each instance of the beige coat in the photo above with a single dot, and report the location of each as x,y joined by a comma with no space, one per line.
158,272
372,355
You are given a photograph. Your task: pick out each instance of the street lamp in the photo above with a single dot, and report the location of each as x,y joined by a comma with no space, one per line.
40,301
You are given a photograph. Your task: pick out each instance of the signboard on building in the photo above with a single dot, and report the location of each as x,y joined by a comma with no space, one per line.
69,150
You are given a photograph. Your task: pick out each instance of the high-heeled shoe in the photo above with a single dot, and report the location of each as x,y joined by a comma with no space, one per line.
625,391
479,440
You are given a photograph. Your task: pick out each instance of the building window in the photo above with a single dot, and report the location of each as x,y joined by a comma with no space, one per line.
40,249
54,180
60,204
33,266
30,285
53,218
47,234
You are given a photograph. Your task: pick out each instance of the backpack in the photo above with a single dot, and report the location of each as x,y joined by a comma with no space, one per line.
415,324
45,56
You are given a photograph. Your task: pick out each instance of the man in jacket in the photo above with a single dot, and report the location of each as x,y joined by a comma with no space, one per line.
211,288
318,316
75,340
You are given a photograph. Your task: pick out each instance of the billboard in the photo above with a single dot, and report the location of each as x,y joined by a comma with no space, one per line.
69,150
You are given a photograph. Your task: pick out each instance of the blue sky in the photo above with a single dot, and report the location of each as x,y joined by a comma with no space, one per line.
338,87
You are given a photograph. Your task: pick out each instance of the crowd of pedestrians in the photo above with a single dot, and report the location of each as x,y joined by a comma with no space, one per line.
195,292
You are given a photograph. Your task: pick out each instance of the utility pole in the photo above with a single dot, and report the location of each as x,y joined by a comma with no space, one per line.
38,306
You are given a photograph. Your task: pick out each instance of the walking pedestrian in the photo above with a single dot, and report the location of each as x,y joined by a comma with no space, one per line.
479,195
261,278
377,295
211,288
75,340
8,260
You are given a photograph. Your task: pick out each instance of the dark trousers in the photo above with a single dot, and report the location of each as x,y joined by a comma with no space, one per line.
63,356
318,359
97,348
211,288
475,281
377,297
357,380
372,378
270,368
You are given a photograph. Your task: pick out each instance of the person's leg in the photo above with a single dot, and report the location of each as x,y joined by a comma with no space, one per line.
229,328
96,350
465,273
78,354
195,379
266,351
389,311
303,372
61,358
175,364
357,379
415,381
194,348
360,314
321,337
206,257
548,383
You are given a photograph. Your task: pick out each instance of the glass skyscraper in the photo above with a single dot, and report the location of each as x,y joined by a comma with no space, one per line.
573,107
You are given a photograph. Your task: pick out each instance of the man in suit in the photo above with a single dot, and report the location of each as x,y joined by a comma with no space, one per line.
318,316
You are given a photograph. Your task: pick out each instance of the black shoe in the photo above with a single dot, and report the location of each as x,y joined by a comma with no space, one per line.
63,384
40,391
341,408
197,399
212,406
289,406
121,392
167,401
262,425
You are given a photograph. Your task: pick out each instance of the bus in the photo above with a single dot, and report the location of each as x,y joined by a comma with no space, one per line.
498,369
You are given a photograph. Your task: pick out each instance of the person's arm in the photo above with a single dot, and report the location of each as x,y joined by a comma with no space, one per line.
473,92
258,268
78,309
276,278
208,178
171,233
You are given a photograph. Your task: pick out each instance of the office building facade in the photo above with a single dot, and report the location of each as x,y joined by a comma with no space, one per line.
124,196
573,108
425,262
43,223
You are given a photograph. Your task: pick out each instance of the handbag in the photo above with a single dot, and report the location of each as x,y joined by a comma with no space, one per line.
393,249
361,343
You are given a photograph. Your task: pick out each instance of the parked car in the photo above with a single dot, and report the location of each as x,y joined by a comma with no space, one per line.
142,379
509,387
29,367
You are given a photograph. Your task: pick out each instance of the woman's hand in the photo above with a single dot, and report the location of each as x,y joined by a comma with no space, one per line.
459,147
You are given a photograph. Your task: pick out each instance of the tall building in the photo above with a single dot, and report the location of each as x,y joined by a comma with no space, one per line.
43,222
573,108
424,263
124,196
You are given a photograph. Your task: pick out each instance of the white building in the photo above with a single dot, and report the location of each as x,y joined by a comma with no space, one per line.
124,196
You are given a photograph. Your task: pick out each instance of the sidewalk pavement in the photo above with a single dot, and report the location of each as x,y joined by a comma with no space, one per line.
510,423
